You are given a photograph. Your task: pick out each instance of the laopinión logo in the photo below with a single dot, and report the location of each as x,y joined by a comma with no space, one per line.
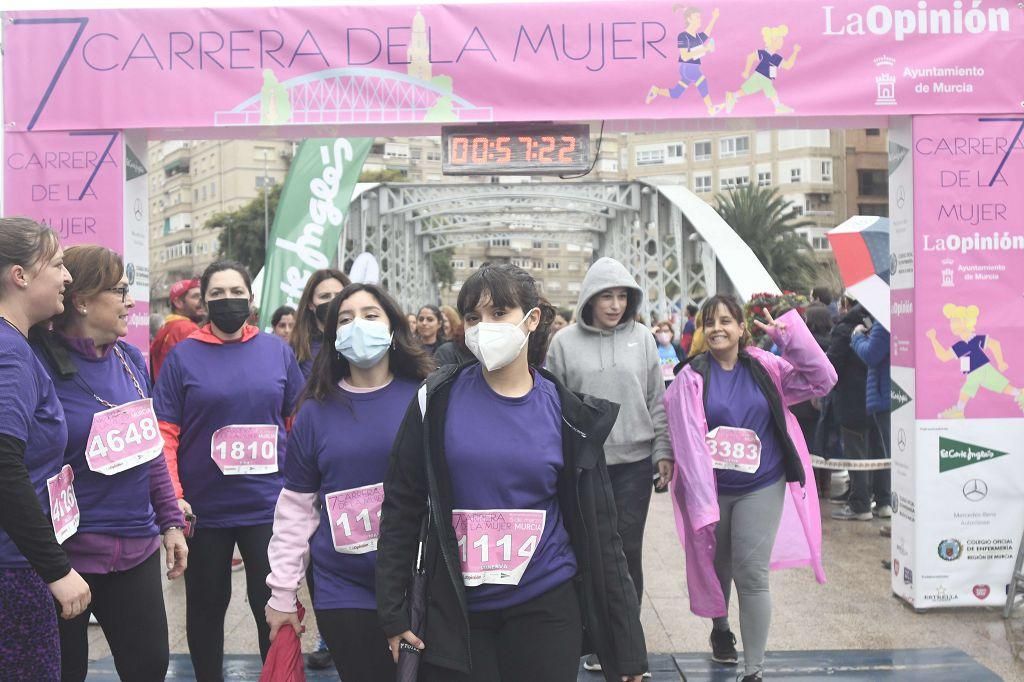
950,549
954,454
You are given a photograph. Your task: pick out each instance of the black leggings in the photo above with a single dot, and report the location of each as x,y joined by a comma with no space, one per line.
631,487
539,641
358,646
129,606
208,592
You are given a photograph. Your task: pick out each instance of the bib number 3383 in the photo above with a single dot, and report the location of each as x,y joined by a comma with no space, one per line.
734,449
496,545
64,512
245,449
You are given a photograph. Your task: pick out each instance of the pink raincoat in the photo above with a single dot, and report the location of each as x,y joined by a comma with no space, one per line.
803,372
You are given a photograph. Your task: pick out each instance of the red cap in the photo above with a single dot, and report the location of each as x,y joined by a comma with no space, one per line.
180,288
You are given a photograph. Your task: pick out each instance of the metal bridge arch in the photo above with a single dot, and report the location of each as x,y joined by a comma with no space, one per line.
678,248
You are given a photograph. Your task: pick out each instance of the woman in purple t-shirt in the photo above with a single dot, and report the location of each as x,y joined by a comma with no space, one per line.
328,514
33,568
308,334
521,552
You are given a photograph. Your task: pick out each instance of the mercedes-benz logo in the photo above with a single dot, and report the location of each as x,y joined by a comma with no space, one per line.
901,197
138,209
893,264
975,490
901,440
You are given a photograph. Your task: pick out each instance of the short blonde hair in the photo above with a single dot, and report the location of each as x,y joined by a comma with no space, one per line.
968,314
771,32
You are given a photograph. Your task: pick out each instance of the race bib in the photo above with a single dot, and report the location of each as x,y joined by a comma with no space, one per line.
496,545
355,518
773,72
668,371
734,449
64,514
965,364
123,437
245,449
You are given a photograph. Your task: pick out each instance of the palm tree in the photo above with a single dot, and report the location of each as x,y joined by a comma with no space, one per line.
768,224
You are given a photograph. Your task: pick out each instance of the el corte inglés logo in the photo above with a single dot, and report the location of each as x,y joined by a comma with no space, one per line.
899,397
954,454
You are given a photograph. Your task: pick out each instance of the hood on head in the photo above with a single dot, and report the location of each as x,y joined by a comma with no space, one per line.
607,273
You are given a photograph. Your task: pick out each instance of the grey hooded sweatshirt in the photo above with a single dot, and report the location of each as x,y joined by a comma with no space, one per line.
620,365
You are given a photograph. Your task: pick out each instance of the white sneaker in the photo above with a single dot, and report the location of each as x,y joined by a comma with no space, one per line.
592,663
883,512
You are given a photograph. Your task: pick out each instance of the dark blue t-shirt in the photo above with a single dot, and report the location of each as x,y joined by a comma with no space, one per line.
506,453
768,63
971,353
734,399
688,41
30,412
119,504
204,387
341,444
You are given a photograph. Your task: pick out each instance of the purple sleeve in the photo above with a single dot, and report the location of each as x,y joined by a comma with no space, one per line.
295,382
162,497
301,472
17,396
167,392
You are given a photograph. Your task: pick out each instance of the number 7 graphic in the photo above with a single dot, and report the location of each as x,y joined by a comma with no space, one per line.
81,21
1009,150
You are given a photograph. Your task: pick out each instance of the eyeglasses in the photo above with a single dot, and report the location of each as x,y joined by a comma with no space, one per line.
120,290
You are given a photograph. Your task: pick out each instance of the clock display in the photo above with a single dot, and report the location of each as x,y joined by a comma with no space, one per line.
515,149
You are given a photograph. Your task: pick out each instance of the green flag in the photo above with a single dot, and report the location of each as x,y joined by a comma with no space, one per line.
309,218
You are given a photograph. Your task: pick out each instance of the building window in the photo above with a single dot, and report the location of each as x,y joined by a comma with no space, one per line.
574,287
820,243
881,210
499,242
734,182
798,210
650,157
733,146
433,156
213,189
764,179
574,267
554,286
553,265
536,265
795,175
872,183
458,264
552,245
702,183
873,132
826,171
538,245
702,150
676,151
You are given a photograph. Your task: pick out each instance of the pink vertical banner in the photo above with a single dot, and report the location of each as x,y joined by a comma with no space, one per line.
901,321
969,229
72,182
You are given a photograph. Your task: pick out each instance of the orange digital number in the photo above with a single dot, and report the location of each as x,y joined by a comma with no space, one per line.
459,152
529,142
568,148
544,155
479,150
501,147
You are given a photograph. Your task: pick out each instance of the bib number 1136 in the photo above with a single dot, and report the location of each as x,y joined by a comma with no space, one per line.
245,449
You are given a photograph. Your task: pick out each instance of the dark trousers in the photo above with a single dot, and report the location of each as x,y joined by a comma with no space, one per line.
129,606
871,442
358,646
208,592
539,641
631,486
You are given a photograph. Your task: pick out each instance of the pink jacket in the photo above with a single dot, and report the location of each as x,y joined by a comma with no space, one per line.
803,372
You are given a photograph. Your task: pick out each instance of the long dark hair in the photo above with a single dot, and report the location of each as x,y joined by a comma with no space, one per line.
305,319
406,358
440,338
509,286
707,313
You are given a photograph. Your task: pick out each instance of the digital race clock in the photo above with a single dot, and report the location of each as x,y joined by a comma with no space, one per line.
515,149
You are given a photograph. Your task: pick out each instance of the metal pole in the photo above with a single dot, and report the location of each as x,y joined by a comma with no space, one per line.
266,204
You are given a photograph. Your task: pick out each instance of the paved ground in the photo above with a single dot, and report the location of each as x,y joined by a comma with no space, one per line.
854,610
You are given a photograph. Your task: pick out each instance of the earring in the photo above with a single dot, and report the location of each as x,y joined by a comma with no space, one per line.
82,310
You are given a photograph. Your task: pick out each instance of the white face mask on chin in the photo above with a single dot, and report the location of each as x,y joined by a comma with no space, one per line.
497,344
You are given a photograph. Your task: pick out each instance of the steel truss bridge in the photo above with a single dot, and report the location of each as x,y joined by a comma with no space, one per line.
676,246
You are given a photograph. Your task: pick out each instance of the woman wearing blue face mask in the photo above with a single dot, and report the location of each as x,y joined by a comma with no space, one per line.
329,510
524,569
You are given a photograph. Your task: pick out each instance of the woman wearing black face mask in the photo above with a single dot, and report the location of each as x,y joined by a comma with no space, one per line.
311,313
222,399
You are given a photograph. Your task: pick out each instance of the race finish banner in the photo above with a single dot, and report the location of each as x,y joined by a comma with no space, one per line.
400,65
309,218
958,434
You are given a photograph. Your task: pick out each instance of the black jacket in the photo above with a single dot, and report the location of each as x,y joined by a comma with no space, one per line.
608,602
851,390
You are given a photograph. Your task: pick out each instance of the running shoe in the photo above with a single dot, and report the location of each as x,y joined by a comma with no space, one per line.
723,647
883,512
753,677
592,663
843,497
846,513
321,658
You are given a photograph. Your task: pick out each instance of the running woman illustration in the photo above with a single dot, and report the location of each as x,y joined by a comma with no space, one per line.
974,361
693,45
768,61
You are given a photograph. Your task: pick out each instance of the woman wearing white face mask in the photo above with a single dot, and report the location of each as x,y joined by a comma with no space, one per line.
521,553
337,457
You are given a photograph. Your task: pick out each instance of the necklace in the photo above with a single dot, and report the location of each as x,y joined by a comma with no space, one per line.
124,363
